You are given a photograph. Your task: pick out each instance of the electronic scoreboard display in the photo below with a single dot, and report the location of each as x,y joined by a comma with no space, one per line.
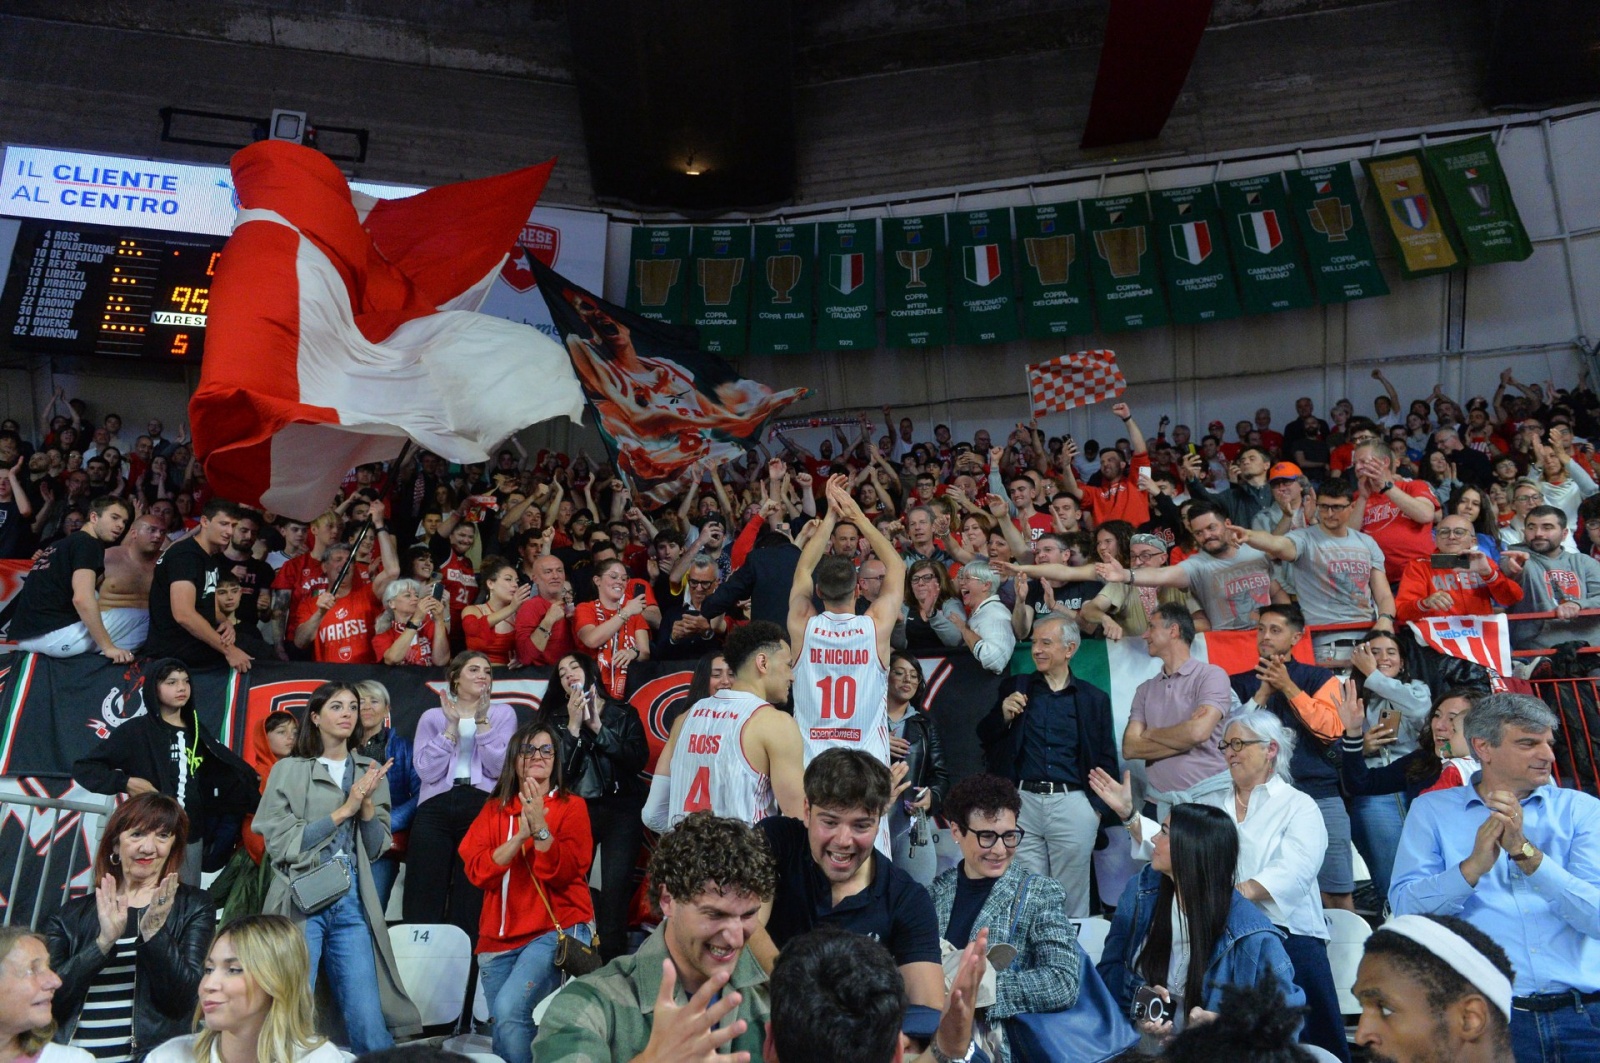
93,289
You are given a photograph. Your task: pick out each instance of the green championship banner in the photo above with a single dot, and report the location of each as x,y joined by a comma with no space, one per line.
719,298
1271,276
1469,176
847,295
1422,241
915,288
1328,213
1194,254
982,290
1055,272
780,294
1127,281
659,273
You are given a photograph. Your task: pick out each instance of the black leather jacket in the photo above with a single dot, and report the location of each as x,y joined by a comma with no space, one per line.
925,757
167,968
607,764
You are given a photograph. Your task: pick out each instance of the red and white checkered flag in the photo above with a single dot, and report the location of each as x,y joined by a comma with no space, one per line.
1074,380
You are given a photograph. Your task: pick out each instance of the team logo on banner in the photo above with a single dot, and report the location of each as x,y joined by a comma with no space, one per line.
846,272
981,264
1260,230
1413,210
1191,241
543,242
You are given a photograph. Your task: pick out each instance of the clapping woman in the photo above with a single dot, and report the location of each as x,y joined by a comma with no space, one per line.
459,750
530,851
603,750
129,954
326,812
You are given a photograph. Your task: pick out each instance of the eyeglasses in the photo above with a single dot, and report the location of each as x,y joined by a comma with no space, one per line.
1238,744
702,583
924,577
544,752
1333,507
1454,533
1147,555
986,838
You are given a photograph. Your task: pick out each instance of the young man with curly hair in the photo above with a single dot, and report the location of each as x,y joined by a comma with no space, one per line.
710,876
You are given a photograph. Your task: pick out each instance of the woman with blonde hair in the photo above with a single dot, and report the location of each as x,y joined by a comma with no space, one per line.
255,1000
27,991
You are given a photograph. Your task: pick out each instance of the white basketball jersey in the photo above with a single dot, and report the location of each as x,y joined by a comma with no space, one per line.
841,687
709,769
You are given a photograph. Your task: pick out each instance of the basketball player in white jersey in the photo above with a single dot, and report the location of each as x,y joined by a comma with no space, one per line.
733,753
841,675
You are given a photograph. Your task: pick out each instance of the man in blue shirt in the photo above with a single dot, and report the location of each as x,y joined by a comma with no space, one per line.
1046,734
1519,858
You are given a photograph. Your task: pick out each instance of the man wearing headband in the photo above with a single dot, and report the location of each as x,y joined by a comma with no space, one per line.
1434,989
1519,858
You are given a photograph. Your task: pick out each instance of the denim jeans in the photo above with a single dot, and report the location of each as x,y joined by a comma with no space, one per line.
340,935
384,871
1567,1035
1375,822
513,982
1324,1025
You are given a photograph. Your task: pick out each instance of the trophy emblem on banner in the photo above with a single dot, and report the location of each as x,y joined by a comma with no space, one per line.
1051,257
718,278
1332,218
1121,249
1481,193
914,261
655,278
783,273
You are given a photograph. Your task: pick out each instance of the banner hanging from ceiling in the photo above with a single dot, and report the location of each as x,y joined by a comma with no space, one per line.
780,301
1328,212
1194,254
915,282
1055,271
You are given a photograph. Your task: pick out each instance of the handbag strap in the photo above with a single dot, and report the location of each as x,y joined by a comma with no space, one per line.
536,885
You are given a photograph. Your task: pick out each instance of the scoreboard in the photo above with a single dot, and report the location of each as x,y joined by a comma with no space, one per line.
93,289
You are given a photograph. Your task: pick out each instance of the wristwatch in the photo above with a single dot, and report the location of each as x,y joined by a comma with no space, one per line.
1386,488
940,1057
542,834
1527,852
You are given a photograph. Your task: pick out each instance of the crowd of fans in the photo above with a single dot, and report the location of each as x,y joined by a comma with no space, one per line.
816,578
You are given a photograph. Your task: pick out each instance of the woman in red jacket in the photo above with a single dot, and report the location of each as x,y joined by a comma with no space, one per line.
530,851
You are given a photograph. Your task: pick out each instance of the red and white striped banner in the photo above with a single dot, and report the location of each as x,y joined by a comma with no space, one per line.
1484,640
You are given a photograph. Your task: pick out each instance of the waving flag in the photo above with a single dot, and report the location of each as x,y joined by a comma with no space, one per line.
668,410
1070,380
1484,640
341,325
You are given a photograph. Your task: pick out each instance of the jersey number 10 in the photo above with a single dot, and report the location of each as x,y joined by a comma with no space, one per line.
838,696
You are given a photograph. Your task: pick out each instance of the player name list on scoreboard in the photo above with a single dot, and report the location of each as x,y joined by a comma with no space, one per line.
65,266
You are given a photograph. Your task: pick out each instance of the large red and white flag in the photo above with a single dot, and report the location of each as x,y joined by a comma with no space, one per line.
1484,640
1074,380
341,324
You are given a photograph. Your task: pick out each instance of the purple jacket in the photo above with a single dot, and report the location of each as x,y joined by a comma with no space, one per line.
435,755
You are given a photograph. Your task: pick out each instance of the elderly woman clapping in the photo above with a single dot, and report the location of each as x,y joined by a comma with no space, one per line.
1282,841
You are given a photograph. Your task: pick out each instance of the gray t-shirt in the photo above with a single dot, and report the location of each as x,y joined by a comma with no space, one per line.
1333,575
1230,589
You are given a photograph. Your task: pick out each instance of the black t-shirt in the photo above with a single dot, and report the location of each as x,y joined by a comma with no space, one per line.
971,895
187,562
1072,594
14,531
45,601
254,576
893,910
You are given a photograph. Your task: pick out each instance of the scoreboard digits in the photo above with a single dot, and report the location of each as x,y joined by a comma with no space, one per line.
96,290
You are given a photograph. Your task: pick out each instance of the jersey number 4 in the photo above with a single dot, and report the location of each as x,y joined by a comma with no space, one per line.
699,797
838,696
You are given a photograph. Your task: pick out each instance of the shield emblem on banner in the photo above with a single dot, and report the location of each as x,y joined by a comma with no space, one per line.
1481,196
1413,210
981,264
1260,231
846,273
1191,242
542,242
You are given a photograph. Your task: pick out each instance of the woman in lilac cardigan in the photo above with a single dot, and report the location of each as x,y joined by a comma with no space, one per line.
460,749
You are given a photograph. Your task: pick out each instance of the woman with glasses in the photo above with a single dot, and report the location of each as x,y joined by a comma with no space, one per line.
530,852
988,888
1282,842
1525,495
914,739
603,750
931,608
1183,930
